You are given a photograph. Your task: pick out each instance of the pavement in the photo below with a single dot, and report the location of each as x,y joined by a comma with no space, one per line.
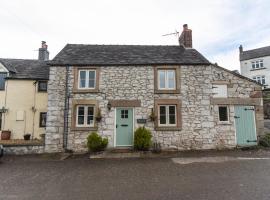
230,175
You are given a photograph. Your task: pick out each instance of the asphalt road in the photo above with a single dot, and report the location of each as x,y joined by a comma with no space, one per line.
28,178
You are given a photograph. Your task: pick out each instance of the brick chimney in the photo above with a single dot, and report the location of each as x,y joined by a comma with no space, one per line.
185,38
43,53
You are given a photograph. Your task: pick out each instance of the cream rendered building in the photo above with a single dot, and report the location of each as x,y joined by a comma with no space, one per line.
23,95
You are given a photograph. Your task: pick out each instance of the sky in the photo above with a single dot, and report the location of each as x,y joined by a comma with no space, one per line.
218,26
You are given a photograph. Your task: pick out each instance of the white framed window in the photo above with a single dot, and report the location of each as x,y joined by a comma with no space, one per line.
87,79
223,114
85,116
257,64
259,79
167,115
166,80
220,91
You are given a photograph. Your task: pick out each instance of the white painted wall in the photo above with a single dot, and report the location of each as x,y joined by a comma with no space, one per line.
246,69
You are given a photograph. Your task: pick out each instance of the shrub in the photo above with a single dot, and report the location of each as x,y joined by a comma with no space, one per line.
95,142
265,140
142,139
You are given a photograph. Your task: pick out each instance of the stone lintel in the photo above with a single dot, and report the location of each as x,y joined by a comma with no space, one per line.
125,103
236,101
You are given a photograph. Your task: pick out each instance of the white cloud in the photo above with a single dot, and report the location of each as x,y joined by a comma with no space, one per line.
219,26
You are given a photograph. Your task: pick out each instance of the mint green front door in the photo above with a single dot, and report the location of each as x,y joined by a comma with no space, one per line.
124,127
245,125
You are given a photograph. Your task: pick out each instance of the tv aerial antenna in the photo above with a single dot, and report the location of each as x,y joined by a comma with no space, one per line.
176,33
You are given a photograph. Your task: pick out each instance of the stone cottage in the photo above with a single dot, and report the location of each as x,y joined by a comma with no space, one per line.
114,89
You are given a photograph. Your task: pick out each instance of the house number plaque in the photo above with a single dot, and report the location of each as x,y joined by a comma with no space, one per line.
141,121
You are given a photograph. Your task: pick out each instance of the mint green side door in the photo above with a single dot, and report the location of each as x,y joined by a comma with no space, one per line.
245,125
124,127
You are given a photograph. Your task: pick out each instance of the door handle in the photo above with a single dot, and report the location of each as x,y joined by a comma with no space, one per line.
236,117
251,140
116,126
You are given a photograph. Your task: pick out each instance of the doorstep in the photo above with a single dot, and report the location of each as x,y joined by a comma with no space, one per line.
116,154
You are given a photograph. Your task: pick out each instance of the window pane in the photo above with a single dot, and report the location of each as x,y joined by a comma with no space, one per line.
172,119
162,114
81,111
161,79
90,119
263,80
80,120
2,80
90,110
223,113
82,79
253,65
171,79
91,83
92,74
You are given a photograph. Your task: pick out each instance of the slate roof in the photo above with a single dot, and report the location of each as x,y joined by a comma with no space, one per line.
26,69
255,53
80,54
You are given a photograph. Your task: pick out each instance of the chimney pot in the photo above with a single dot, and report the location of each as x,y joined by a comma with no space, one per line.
43,53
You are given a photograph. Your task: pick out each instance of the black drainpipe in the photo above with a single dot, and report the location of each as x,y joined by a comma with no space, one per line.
66,111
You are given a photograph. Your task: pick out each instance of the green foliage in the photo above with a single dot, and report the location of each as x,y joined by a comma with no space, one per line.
265,140
142,139
95,142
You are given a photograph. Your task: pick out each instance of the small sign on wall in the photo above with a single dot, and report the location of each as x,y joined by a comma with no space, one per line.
141,121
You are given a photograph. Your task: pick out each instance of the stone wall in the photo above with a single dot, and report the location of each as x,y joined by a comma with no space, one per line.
22,150
200,126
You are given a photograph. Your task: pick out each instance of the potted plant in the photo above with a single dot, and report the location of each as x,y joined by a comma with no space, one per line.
152,116
42,136
98,115
5,134
27,136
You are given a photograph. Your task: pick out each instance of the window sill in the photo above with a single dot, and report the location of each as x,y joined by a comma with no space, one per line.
224,123
167,91
84,128
258,69
168,128
86,91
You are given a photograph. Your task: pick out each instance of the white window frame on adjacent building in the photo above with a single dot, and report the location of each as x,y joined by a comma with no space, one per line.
167,115
87,79
220,91
257,64
167,79
259,79
227,113
85,116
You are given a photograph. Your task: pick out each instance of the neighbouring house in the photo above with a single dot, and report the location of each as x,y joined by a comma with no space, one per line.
23,95
193,104
255,64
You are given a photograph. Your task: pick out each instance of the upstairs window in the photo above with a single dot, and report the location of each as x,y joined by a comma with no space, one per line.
2,80
259,79
257,64
166,79
42,86
220,91
85,116
87,79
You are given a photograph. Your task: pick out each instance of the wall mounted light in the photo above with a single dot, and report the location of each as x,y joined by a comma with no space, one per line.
109,106
3,110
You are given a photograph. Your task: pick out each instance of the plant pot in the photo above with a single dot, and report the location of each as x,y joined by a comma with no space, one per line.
5,135
152,118
98,119
27,137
